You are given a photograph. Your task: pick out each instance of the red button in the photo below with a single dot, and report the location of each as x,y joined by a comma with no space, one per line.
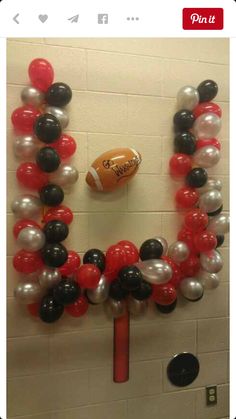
203,18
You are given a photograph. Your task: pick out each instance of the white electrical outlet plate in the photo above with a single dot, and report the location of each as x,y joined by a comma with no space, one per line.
211,395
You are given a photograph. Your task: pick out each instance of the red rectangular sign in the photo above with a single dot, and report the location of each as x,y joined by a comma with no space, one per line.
203,18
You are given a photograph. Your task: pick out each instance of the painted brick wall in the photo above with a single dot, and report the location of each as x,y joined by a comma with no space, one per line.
123,95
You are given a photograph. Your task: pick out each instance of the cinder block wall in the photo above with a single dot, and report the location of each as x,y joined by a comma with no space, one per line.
123,95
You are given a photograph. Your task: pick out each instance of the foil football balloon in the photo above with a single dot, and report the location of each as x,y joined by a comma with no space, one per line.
113,169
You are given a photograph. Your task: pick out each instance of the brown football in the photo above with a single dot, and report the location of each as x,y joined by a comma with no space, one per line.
113,169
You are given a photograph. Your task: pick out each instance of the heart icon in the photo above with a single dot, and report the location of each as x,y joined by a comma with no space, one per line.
43,18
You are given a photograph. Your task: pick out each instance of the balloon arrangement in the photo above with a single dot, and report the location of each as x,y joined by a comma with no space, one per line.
44,262
124,278
196,124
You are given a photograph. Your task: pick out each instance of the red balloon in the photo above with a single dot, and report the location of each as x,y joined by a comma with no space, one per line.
186,235
22,224
203,142
186,197
180,164
110,275
205,241
131,251
27,262
61,212
196,220
78,308
115,260
65,146
23,119
177,275
34,309
190,266
164,294
206,107
71,265
31,176
88,275
41,74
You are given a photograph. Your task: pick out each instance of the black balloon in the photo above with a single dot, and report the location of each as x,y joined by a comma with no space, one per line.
151,249
207,90
50,309
96,257
185,143
51,195
166,309
47,128
130,277
55,231
59,94
50,292
54,255
218,211
66,291
197,177
143,292
220,239
116,291
48,159
184,120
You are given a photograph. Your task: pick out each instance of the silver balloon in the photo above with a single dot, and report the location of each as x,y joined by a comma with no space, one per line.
49,277
32,96
164,244
211,262
65,175
28,292
187,98
207,125
31,238
208,280
99,294
191,288
210,201
115,309
155,271
29,277
60,114
178,251
137,307
207,156
210,185
25,146
26,206
219,224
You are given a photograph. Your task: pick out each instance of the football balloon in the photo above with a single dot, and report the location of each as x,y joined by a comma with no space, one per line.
113,169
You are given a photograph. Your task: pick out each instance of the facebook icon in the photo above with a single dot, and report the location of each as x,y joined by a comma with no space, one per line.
103,18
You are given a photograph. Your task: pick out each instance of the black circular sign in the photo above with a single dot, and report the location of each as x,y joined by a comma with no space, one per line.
183,369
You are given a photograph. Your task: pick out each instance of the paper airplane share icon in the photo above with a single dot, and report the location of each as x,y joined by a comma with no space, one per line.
74,19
